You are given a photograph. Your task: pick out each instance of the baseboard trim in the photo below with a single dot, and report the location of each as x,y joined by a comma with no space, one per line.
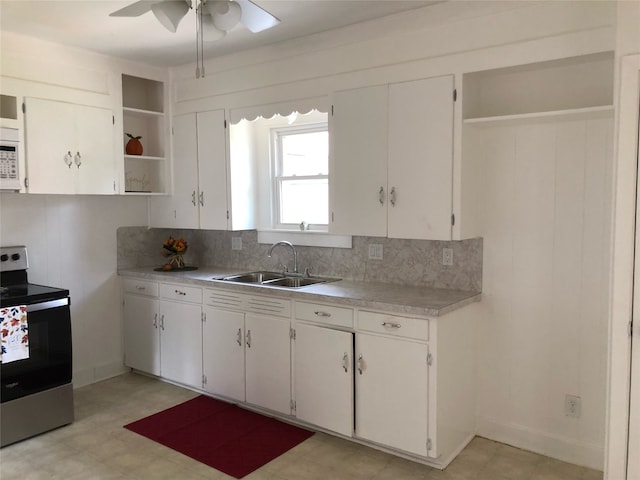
98,373
561,448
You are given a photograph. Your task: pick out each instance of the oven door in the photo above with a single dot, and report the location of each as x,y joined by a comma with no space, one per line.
50,357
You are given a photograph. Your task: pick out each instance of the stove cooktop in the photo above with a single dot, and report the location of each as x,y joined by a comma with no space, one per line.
28,294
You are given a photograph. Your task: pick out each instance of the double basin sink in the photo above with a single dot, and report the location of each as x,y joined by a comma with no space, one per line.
275,279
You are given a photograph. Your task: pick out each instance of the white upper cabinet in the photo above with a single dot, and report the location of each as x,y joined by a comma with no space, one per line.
420,176
69,148
392,162
358,167
199,197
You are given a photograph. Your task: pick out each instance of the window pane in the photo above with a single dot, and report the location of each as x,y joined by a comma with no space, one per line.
305,154
304,201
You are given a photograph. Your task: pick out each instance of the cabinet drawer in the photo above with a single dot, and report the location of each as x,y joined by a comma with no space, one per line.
407,327
325,314
183,293
140,287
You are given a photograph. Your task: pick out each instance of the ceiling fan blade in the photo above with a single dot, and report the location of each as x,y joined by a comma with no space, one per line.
255,18
134,10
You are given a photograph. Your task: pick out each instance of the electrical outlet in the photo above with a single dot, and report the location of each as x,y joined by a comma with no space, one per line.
447,256
236,243
375,251
572,406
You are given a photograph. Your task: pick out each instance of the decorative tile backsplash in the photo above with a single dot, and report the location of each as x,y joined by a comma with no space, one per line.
407,262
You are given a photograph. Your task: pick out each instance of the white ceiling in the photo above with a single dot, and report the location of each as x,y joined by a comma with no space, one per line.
87,24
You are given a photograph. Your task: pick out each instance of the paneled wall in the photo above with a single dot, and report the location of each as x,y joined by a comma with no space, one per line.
71,242
545,207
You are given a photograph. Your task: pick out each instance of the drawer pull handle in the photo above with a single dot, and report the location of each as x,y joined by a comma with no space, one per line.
322,314
391,325
345,362
180,293
138,287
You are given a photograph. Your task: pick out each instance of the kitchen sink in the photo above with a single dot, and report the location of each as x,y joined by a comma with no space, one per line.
254,277
275,279
295,282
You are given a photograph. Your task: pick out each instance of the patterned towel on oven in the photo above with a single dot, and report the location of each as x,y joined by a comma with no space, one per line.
15,333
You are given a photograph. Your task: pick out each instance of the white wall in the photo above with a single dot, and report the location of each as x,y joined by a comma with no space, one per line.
71,242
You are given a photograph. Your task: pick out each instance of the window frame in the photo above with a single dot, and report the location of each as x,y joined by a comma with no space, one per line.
277,178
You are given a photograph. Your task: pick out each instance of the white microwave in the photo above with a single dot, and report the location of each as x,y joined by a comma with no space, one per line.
9,163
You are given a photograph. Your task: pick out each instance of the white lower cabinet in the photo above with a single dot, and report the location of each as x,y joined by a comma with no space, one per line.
181,342
247,356
323,377
223,336
392,392
141,334
163,337
268,362
400,382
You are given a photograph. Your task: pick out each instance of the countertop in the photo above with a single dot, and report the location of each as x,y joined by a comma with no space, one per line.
392,298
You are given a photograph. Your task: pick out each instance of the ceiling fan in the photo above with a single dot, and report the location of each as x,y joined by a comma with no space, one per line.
213,18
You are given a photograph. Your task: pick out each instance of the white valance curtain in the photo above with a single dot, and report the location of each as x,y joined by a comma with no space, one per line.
284,109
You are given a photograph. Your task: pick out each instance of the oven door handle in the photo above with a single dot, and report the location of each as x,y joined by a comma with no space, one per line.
35,307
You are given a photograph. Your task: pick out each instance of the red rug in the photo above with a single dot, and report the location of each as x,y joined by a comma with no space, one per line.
221,435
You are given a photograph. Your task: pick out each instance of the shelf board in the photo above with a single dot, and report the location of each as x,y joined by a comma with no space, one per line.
570,114
128,192
144,157
142,113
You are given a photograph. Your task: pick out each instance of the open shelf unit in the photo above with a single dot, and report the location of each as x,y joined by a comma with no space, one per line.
143,115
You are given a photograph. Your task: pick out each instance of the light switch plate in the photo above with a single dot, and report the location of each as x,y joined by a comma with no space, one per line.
447,256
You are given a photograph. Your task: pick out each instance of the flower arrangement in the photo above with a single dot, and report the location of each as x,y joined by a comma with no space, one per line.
174,249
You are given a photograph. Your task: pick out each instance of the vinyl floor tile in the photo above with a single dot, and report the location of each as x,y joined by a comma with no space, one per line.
97,447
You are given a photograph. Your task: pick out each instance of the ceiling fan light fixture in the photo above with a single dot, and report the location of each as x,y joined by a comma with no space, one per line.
170,13
209,31
225,14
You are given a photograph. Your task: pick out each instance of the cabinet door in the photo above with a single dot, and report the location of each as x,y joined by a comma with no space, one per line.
358,168
212,170
391,392
94,157
50,141
223,353
420,175
181,342
323,377
180,210
141,334
268,362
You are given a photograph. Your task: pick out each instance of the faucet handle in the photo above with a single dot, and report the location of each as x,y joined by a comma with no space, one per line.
307,271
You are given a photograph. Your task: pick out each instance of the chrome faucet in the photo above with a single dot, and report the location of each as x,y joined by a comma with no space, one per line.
286,244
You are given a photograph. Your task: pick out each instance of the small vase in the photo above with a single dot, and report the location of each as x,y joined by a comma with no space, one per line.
176,261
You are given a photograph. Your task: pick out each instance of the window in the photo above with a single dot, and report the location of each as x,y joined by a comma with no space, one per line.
301,176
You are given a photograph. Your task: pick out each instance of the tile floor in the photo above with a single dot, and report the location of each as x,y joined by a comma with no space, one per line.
96,446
